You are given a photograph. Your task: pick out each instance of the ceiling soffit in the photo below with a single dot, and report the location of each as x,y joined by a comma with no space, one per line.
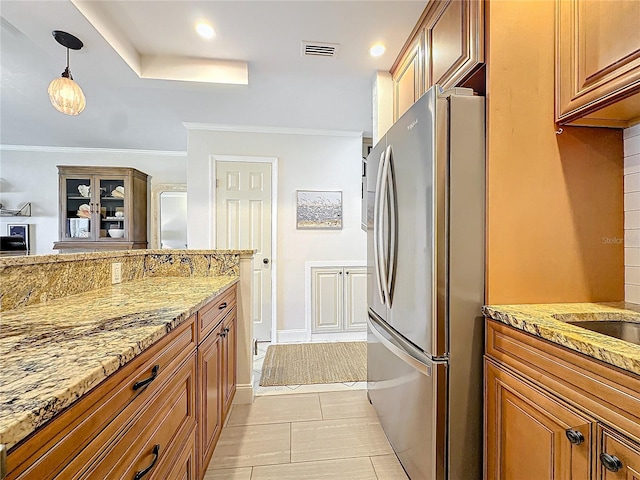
163,67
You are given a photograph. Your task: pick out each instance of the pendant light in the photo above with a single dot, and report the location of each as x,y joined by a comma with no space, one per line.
66,95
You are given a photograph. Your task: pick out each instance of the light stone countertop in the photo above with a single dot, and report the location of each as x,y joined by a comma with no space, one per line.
53,353
548,321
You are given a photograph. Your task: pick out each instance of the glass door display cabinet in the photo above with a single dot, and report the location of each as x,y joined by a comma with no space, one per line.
102,208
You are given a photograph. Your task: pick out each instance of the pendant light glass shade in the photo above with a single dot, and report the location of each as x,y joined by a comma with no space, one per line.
66,96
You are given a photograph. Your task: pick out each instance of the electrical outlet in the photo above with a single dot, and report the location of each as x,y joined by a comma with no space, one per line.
116,272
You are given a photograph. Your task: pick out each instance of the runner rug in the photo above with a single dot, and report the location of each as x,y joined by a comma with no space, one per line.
311,363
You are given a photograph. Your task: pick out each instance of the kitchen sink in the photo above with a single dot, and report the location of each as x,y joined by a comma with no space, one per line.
624,330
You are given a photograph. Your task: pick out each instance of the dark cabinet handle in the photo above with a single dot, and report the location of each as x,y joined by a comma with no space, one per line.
222,306
144,383
574,436
226,330
142,473
610,462
222,334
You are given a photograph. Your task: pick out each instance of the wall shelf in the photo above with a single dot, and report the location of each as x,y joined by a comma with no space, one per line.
25,211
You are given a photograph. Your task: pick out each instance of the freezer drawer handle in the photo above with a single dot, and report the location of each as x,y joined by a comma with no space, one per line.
400,353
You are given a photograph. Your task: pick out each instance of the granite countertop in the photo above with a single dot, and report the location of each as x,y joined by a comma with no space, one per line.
548,321
55,352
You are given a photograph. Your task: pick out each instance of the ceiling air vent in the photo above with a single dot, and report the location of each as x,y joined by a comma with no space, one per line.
317,49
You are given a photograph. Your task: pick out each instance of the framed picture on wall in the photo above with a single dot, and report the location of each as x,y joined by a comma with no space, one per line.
318,210
21,231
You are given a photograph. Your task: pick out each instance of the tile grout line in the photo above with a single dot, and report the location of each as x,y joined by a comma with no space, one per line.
374,468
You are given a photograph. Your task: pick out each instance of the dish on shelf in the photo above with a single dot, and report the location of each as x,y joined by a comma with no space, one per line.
116,232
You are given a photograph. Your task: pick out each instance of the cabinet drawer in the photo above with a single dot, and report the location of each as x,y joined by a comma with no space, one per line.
49,449
604,391
213,312
614,446
182,465
147,440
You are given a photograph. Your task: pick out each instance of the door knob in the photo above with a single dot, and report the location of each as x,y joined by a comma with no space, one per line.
265,261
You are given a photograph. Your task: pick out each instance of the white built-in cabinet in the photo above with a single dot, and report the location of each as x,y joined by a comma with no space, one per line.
338,299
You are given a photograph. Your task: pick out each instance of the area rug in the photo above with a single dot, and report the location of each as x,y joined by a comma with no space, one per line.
311,363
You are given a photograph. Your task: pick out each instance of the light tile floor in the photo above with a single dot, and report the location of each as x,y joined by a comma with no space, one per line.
331,433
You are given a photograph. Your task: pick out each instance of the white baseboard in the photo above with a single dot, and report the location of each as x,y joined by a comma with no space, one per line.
339,337
244,395
302,336
292,336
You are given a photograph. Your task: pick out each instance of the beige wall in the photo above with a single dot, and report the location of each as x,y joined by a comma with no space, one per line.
552,199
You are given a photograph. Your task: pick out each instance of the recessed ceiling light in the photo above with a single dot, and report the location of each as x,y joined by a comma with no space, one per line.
205,30
377,50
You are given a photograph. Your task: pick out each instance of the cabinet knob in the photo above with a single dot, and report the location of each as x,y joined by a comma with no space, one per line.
574,436
610,462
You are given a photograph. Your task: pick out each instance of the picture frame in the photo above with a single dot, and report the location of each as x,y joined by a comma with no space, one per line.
21,230
318,210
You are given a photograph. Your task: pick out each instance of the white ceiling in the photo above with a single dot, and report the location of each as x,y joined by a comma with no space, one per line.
126,111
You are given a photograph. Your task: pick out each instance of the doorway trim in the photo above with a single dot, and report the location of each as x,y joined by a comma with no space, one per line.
213,159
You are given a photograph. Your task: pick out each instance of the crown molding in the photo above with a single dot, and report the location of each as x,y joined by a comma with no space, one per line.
215,127
120,151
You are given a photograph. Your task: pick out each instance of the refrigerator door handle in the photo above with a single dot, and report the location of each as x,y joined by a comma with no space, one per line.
383,248
393,227
378,234
398,349
376,227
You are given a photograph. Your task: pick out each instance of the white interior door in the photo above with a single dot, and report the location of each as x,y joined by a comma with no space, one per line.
243,222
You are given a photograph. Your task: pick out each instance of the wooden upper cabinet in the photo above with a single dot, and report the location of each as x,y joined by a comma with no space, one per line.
408,81
598,63
445,48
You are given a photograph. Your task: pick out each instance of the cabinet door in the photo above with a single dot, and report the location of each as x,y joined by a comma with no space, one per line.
229,349
355,299
77,208
526,432
598,62
114,207
454,41
210,390
408,81
618,457
327,299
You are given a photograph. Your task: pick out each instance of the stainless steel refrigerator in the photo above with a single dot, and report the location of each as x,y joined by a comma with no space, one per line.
425,256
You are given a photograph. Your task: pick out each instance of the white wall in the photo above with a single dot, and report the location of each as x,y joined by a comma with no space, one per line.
30,175
310,161
632,214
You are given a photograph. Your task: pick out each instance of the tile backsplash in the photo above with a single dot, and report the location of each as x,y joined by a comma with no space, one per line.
632,214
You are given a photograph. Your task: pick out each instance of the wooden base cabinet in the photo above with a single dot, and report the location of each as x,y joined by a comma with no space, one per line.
527,434
210,405
217,371
551,413
158,417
